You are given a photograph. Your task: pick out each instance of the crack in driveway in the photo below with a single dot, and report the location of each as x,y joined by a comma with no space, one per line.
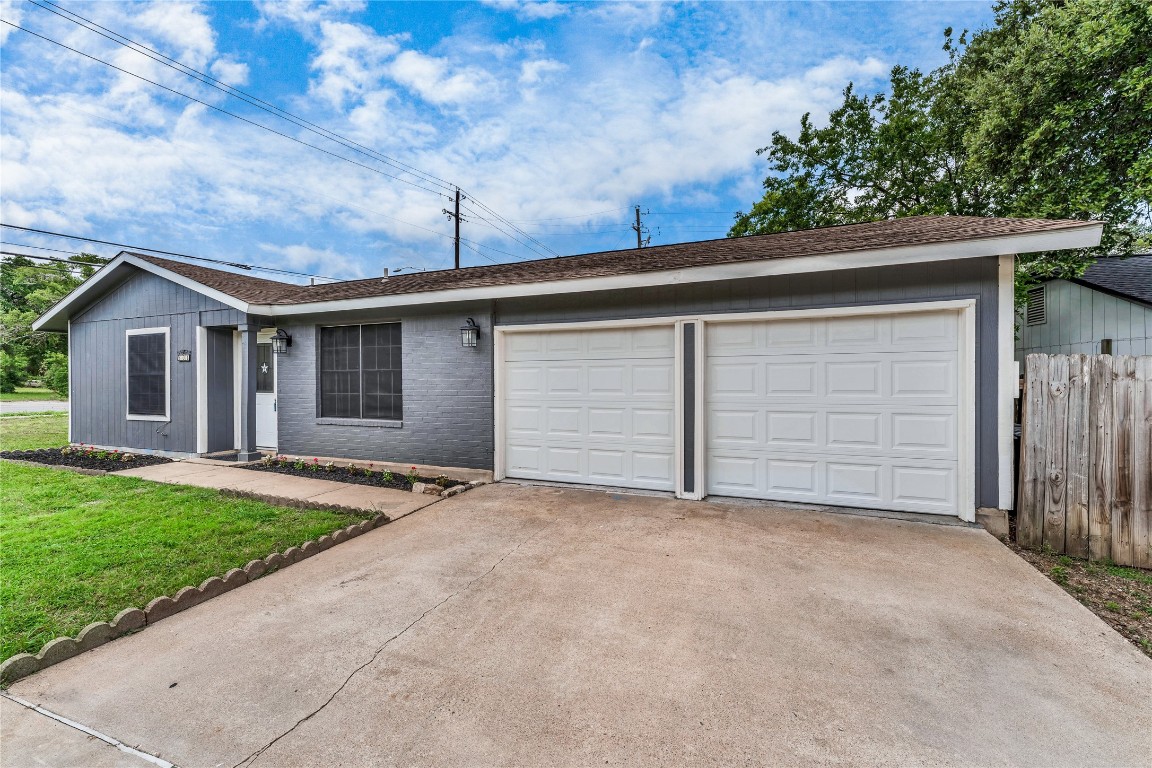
252,758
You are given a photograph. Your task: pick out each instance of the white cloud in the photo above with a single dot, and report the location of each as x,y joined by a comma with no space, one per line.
530,10
350,61
532,72
436,81
13,12
301,257
231,72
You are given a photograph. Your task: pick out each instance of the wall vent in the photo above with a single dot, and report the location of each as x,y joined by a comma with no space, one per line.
1037,311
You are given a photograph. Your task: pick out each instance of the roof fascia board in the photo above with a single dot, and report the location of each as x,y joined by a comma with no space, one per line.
1077,237
51,319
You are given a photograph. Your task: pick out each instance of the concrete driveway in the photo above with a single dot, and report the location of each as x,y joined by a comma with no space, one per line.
535,626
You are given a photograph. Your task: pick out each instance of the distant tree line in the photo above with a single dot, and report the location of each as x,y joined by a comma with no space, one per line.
28,288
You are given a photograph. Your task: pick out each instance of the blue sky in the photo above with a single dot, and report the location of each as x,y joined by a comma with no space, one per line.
557,116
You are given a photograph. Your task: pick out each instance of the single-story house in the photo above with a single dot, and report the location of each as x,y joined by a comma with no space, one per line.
1107,311
867,365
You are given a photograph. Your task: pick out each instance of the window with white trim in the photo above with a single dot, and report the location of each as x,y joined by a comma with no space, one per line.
360,372
148,374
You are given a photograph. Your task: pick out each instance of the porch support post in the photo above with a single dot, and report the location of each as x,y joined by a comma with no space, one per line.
247,404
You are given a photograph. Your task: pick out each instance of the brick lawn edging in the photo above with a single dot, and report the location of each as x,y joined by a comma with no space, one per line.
133,619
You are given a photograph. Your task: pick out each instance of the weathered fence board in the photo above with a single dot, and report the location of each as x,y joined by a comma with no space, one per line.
1079,445
1142,457
1086,457
1100,461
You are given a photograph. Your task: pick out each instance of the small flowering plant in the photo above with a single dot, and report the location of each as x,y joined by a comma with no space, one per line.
411,476
329,466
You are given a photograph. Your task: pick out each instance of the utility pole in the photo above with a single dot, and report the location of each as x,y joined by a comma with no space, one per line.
641,241
455,216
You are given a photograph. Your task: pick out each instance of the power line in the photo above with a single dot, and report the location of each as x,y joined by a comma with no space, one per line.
230,90
510,224
577,216
235,264
222,110
263,105
40,247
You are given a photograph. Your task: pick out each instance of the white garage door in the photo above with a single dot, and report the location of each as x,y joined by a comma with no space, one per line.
859,411
591,406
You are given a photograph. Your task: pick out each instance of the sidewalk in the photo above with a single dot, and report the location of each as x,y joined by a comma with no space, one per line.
210,474
32,406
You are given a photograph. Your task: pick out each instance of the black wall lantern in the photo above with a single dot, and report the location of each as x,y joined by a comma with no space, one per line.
281,342
470,334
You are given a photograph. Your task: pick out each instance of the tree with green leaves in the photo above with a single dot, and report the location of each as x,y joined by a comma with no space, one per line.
1046,114
28,288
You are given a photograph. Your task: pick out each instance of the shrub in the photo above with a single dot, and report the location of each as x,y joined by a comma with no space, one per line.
13,371
56,373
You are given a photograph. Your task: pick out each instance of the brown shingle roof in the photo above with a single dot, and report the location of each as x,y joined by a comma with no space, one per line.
910,231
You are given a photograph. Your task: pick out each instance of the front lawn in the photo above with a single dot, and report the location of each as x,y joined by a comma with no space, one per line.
75,549
20,432
29,393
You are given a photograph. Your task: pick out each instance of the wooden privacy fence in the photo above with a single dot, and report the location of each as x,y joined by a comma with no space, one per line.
1086,457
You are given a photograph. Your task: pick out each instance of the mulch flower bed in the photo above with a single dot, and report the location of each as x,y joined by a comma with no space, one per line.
348,473
86,457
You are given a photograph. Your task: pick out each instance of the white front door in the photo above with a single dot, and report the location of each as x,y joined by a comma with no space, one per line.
265,396
591,406
858,411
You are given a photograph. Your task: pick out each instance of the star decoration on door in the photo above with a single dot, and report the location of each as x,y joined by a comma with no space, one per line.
264,368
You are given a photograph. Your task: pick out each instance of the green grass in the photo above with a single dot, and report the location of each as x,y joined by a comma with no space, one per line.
75,549
20,433
29,393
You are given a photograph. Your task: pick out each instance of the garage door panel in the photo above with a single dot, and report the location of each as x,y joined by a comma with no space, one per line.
791,379
853,379
854,482
926,330
861,411
924,485
855,430
792,428
924,378
563,422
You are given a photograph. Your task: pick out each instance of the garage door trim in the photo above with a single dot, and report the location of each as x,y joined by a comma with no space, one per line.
966,379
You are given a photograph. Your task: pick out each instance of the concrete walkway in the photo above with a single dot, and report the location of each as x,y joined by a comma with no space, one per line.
529,626
214,474
33,406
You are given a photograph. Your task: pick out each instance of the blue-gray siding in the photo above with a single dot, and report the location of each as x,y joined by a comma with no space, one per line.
99,376
1078,317
220,356
961,279
448,417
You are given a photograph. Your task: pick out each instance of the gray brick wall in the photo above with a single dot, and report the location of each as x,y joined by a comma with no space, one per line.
448,418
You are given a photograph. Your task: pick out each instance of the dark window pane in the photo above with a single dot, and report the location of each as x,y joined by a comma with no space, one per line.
147,380
264,368
381,376
340,372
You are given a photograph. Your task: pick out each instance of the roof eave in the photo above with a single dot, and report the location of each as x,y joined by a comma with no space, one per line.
57,317
1085,236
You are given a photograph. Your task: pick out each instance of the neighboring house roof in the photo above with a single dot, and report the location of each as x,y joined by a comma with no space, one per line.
896,241
1129,278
